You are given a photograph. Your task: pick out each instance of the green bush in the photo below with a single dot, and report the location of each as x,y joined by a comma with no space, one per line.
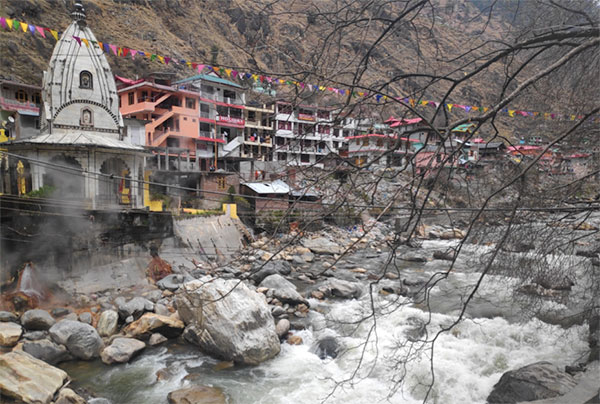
43,192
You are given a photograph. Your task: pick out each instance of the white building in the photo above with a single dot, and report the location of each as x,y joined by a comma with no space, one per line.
80,152
304,134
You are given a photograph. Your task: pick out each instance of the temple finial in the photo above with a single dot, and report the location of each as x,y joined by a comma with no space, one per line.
79,13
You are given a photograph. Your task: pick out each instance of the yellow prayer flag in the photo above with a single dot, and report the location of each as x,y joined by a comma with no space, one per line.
228,72
24,26
254,77
161,59
86,42
511,112
9,23
485,109
54,34
449,107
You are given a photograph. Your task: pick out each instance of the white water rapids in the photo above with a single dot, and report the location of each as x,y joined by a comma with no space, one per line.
467,361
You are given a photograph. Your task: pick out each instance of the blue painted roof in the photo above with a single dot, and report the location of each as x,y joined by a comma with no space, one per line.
207,77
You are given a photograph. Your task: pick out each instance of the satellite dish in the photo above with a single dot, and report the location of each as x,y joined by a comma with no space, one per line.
11,119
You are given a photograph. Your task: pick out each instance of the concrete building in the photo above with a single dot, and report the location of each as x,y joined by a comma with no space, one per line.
304,134
258,132
80,153
19,110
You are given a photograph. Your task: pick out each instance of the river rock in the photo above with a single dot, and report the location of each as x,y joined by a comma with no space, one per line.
326,347
68,396
35,335
321,245
228,320
8,317
151,322
413,256
173,282
82,340
283,290
59,311
282,327
47,351
121,350
37,320
197,395
108,323
441,255
270,268
156,339
86,317
533,382
10,334
135,307
341,288
28,379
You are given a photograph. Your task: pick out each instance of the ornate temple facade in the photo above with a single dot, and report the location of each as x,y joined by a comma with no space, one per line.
80,154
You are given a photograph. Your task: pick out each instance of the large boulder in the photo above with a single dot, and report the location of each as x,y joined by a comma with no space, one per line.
48,351
150,323
82,340
37,320
321,245
270,268
283,290
121,350
10,333
134,307
197,395
533,382
326,347
108,323
229,321
28,379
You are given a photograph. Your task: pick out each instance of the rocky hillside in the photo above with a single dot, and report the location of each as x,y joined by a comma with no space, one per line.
289,39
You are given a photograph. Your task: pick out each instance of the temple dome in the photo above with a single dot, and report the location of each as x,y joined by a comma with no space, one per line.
79,91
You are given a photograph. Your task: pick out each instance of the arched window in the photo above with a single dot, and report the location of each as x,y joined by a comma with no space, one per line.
86,80
87,117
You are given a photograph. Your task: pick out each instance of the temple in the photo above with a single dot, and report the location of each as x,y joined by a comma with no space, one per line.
80,154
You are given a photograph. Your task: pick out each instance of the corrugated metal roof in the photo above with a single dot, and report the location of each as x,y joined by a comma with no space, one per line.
79,139
209,78
275,187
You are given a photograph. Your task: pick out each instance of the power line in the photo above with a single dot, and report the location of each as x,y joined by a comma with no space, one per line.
109,177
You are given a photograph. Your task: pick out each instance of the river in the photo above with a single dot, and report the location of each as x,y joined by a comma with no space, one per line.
468,361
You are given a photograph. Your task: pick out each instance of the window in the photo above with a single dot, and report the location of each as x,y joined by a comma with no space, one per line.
21,96
365,141
285,109
190,103
207,89
229,94
36,99
235,113
284,125
185,118
380,142
193,120
252,116
204,111
357,141
305,158
86,80
144,96
130,98
221,183
87,117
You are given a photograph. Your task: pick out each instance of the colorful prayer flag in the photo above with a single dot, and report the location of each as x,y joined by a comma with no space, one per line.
77,39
